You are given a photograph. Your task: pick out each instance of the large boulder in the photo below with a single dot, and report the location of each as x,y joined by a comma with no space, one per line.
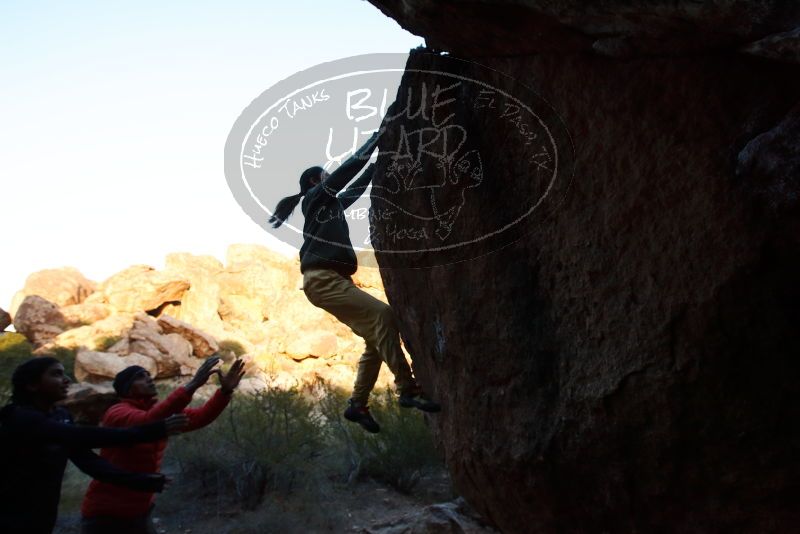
84,313
199,305
313,344
87,402
629,362
240,309
173,348
201,344
39,320
614,27
5,320
62,287
260,275
142,288
92,366
98,335
171,352
241,253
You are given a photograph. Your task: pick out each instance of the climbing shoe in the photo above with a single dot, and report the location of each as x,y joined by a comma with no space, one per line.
417,400
359,413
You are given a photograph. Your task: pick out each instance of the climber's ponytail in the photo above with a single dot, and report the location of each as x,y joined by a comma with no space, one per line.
287,205
284,209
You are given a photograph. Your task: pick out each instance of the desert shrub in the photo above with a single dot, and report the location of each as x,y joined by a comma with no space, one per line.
263,442
14,345
14,349
399,455
230,345
106,342
73,488
277,454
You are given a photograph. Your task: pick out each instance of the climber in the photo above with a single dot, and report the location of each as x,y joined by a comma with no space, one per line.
327,261
37,437
109,509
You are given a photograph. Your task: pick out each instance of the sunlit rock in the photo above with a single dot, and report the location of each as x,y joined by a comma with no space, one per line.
91,366
142,288
39,320
62,287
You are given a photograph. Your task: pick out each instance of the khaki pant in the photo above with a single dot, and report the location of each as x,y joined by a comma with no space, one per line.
367,317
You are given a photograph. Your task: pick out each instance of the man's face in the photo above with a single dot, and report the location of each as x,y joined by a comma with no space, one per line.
53,385
142,387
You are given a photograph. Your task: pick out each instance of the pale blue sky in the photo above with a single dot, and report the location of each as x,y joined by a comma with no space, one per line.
115,115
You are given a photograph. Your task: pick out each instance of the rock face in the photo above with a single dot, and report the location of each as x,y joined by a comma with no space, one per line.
5,320
142,288
629,364
201,344
779,47
91,365
515,27
85,313
62,287
88,402
39,320
199,305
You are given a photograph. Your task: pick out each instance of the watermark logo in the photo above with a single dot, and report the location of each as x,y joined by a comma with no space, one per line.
468,159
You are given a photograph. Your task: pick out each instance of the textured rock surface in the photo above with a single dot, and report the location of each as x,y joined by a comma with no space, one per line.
84,314
142,288
779,47
5,320
769,167
62,287
88,402
201,344
199,305
515,27
91,336
446,518
39,320
94,366
630,364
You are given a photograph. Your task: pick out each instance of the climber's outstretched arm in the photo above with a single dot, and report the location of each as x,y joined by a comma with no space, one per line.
357,188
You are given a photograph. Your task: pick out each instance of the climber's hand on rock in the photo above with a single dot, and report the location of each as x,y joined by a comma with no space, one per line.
389,116
203,374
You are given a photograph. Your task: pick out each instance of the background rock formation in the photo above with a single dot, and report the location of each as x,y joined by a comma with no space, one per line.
630,364
62,287
39,320
5,319
169,320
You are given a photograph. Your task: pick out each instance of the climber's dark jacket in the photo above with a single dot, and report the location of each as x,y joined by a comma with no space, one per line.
34,448
327,238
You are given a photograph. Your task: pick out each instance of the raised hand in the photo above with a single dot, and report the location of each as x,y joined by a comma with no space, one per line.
230,380
176,423
203,374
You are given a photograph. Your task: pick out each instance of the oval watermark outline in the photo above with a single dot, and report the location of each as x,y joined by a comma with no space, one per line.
243,178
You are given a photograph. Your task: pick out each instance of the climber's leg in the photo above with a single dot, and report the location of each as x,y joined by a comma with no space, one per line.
368,368
368,317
